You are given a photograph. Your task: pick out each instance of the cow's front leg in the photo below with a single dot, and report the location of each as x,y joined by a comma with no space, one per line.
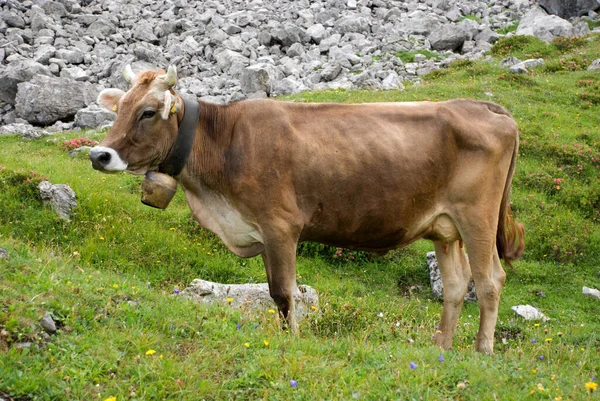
280,263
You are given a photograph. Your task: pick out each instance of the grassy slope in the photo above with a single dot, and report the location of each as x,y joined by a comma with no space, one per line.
107,275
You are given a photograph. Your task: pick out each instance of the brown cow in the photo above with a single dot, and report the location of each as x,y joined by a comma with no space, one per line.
264,175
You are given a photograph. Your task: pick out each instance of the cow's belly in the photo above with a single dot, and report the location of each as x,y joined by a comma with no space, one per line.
214,213
383,232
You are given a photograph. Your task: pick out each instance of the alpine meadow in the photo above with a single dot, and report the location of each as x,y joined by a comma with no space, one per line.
111,276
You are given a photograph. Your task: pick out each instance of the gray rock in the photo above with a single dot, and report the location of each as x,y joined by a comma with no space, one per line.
74,73
101,28
435,279
13,19
591,292
143,31
330,71
546,27
524,66
447,37
595,65
248,297
569,8
421,25
44,53
487,35
289,34
229,58
296,50
3,253
288,86
26,131
353,23
528,312
259,78
581,28
71,56
60,197
45,100
93,117
392,82
509,62
16,72
470,28
317,33
48,324
54,8
231,29
328,42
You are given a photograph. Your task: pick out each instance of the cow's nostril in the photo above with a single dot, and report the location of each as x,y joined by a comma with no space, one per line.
104,158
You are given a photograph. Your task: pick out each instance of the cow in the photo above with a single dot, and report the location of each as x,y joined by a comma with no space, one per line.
264,175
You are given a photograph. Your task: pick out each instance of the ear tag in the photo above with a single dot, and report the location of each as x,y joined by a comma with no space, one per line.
173,108
114,108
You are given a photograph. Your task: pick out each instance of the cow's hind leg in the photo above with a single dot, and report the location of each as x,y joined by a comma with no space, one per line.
489,278
280,264
456,275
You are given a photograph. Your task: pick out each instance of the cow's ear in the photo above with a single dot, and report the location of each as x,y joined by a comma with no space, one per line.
108,98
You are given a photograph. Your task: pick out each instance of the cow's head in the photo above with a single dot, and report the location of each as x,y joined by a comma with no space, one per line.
146,123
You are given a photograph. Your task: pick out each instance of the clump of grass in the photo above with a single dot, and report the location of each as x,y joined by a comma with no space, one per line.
518,80
592,24
569,63
566,44
521,46
509,28
471,17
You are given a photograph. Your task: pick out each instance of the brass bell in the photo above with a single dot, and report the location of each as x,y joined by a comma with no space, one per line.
158,189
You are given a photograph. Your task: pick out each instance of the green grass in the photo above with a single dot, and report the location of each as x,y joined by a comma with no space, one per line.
108,276
509,28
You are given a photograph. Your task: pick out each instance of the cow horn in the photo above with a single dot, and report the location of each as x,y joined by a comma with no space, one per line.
129,75
171,78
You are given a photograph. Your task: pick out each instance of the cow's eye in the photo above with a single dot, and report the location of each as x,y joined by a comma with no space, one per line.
148,114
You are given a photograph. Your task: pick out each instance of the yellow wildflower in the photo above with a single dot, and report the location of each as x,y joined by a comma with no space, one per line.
548,340
313,307
111,399
229,300
271,311
591,386
150,352
266,343
247,345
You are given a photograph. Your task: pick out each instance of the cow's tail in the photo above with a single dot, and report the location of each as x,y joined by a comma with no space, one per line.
510,234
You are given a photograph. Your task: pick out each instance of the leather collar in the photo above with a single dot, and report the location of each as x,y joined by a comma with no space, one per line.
180,151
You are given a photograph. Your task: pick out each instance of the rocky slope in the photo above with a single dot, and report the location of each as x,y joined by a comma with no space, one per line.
55,56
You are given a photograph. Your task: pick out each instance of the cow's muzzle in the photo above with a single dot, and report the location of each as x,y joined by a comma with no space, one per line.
106,159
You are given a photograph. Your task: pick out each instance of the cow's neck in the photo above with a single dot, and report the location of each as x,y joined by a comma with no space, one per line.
206,163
